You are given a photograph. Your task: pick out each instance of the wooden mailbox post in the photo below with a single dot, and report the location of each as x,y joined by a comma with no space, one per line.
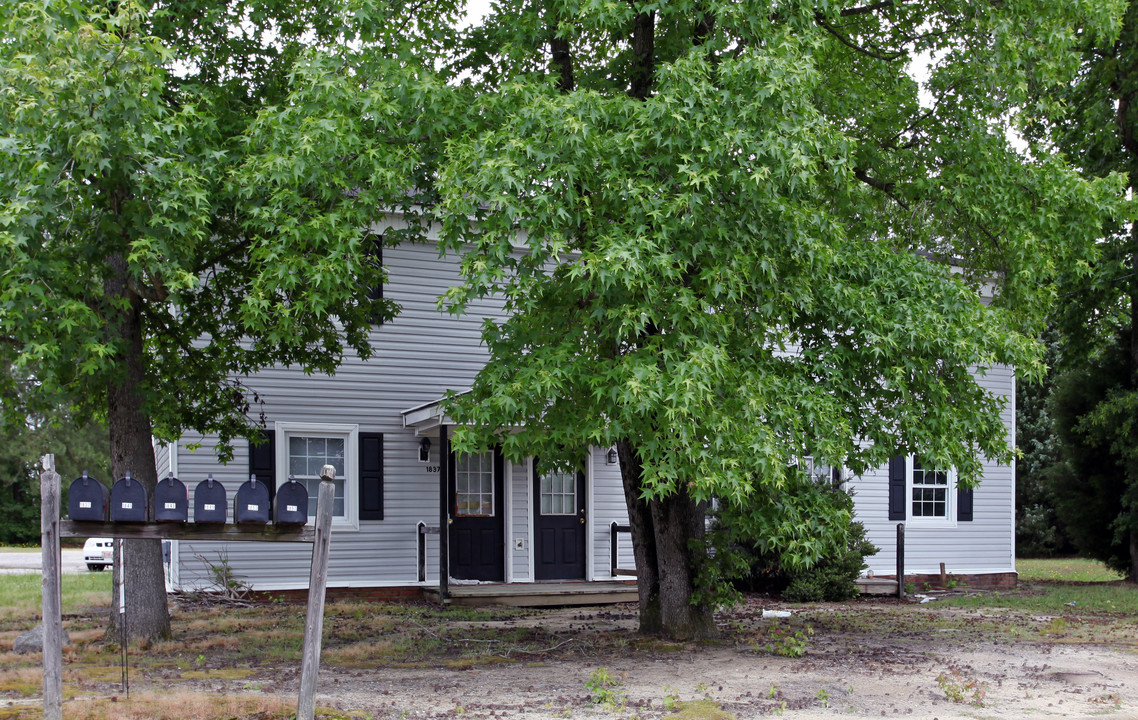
52,529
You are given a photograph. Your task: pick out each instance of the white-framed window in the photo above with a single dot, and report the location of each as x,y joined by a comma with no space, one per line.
930,493
302,449
820,471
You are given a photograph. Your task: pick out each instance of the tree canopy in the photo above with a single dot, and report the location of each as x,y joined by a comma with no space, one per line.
728,234
141,276
1093,120
749,236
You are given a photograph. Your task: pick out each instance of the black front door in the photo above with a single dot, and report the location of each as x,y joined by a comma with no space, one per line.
477,545
559,525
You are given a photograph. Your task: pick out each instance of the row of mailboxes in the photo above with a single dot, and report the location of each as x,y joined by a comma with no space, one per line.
88,500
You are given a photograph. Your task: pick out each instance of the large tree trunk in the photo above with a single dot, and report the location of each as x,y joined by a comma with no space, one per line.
1132,576
147,616
1131,467
665,564
677,520
643,540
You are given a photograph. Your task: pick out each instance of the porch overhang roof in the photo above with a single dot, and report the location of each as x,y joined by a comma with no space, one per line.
425,419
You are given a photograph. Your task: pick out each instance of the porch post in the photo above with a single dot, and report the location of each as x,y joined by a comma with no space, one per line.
444,514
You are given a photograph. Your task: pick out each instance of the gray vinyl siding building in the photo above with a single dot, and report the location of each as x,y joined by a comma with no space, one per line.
419,356
984,545
387,404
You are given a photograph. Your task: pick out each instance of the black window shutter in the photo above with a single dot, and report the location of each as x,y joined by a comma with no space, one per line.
964,505
371,476
897,488
375,259
263,459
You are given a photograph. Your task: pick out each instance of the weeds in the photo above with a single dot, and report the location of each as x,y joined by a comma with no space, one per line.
959,688
604,689
787,643
224,578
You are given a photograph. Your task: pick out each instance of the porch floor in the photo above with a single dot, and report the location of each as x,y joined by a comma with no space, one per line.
543,594
877,586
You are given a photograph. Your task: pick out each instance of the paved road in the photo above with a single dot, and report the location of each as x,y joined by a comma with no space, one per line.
25,562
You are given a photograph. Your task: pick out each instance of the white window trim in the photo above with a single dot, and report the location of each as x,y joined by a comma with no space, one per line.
949,519
350,434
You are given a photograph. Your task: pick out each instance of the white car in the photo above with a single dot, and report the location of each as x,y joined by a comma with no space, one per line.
98,553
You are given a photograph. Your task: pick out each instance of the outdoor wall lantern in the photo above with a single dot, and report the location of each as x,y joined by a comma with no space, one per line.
611,457
425,450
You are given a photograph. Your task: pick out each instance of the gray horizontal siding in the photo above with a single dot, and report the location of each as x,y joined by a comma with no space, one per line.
984,545
417,358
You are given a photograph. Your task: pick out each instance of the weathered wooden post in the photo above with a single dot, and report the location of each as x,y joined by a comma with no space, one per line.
52,610
900,561
317,581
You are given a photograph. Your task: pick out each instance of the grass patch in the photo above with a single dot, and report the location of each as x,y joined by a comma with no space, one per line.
21,594
700,710
1057,599
1064,570
183,705
1060,587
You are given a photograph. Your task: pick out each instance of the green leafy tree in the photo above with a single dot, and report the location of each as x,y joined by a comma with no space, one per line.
1039,531
139,276
77,448
1093,409
737,221
1094,120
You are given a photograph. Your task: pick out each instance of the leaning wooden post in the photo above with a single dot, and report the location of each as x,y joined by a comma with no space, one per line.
52,611
317,581
900,561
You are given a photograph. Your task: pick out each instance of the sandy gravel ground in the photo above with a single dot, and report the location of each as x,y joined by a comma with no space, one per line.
910,677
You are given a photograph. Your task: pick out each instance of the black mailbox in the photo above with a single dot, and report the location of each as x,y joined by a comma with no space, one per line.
171,501
210,505
292,503
128,500
87,499
252,502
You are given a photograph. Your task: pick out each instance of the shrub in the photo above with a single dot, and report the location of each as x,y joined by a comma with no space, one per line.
829,574
832,578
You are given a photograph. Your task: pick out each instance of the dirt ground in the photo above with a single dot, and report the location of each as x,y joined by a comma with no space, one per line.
860,660
863,659
909,676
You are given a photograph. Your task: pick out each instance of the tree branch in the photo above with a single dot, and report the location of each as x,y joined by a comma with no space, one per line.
156,294
867,9
821,21
561,60
882,185
643,54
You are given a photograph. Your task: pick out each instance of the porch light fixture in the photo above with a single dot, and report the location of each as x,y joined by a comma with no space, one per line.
328,472
611,457
425,450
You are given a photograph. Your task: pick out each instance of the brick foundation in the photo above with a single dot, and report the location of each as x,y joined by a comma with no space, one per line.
984,581
361,594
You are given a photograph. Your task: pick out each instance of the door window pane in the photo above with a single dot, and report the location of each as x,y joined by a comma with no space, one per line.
474,485
559,494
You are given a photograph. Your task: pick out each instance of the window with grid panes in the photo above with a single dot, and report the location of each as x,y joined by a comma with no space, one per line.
929,492
307,455
559,493
474,484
